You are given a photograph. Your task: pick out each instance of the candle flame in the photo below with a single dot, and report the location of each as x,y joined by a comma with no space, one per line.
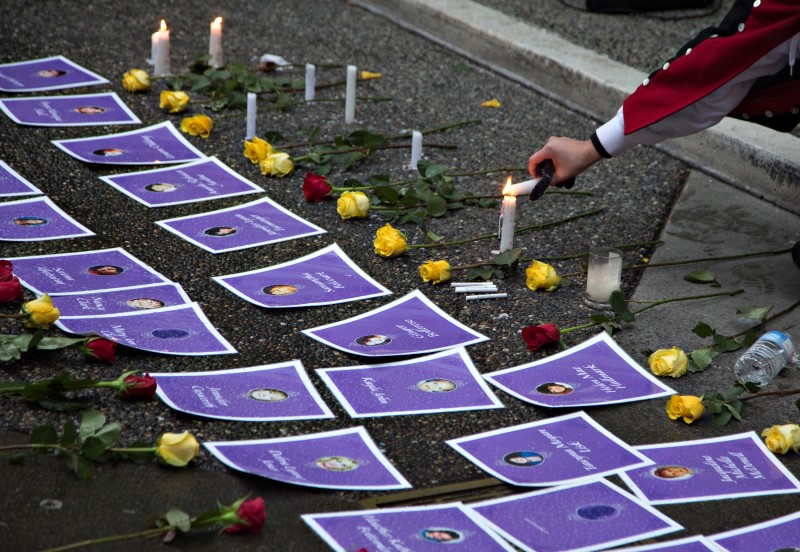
218,21
163,25
507,187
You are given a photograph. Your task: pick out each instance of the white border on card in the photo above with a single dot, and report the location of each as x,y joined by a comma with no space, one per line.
176,285
84,232
311,521
479,338
110,179
604,337
131,120
737,437
33,190
672,525
95,78
221,280
456,444
752,528
296,364
697,539
316,230
360,430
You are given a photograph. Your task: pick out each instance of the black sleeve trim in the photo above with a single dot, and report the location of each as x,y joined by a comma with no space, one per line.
599,147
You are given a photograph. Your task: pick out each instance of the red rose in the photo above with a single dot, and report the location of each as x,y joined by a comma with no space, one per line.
10,289
5,270
316,187
141,387
100,348
252,514
537,337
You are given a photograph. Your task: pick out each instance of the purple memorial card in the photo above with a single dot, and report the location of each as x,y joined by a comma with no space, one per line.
594,372
134,299
153,145
579,518
13,184
178,330
196,181
77,110
566,449
710,469
37,219
324,277
84,271
777,535
259,222
341,459
697,543
417,528
51,73
441,382
408,326
270,393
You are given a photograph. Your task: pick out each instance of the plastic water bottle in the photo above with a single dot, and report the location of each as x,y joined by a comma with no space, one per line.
765,358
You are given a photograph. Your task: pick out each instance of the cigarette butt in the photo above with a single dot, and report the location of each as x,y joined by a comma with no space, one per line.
471,289
487,296
467,284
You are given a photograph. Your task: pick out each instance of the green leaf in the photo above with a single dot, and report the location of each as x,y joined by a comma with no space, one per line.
736,409
480,273
748,339
432,170
283,101
91,421
69,434
273,136
700,359
435,238
732,392
700,276
454,206
201,84
387,194
507,257
726,345
488,203
109,433
44,435
797,404
16,458
704,330
179,519
617,302
53,343
410,199
754,313
139,456
436,206
82,467
379,180
460,67
93,448
722,418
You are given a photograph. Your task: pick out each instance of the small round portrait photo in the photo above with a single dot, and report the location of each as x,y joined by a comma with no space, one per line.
145,303
672,473
220,231
172,333
90,110
523,458
161,187
436,385
597,512
29,221
105,270
440,534
790,549
108,152
280,289
268,395
49,73
373,340
554,388
336,463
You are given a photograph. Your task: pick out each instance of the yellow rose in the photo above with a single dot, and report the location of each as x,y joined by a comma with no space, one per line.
689,407
257,149
368,75
136,80
276,164
177,449
174,102
199,125
494,102
782,438
669,362
352,205
541,275
39,313
435,271
389,242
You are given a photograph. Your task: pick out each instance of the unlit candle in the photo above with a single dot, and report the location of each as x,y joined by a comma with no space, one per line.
350,95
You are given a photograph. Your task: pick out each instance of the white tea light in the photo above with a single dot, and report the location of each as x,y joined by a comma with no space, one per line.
416,149
160,45
251,116
350,95
311,82
508,216
603,275
215,44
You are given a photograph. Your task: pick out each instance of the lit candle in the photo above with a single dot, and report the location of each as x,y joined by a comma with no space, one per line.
350,95
416,149
522,188
311,82
215,44
508,216
161,55
603,275
251,116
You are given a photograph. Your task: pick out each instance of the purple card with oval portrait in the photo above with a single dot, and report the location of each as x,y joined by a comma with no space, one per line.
134,299
324,277
50,73
591,373
38,219
275,392
589,516
196,181
259,222
698,543
341,459
410,325
417,528
566,449
710,469
76,110
153,145
441,382
84,271
178,330
13,184
777,535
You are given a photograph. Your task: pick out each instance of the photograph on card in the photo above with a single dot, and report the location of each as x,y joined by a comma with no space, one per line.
38,219
68,111
49,73
133,299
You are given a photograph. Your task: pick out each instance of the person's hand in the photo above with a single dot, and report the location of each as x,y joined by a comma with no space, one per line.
570,157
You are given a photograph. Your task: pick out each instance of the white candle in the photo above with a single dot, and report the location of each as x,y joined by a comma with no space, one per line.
153,48
603,273
311,82
416,149
350,95
487,296
161,56
466,284
521,188
474,289
508,218
251,116
215,44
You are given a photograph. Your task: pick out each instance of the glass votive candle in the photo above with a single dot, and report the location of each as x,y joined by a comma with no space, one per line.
603,276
